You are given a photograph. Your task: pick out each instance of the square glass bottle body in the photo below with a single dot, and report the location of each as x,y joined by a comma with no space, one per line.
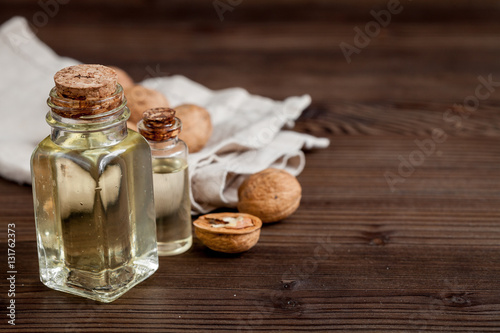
172,205
94,209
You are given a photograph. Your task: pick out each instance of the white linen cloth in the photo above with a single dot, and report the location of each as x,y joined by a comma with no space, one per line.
248,131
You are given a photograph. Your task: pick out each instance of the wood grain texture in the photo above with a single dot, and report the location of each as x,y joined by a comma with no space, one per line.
358,255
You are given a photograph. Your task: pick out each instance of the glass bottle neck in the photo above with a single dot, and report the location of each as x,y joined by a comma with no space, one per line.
166,148
164,145
89,123
89,140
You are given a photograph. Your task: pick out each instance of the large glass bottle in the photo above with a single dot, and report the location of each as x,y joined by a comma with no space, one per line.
92,191
170,179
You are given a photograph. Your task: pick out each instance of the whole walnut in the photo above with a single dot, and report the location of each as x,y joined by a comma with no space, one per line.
140,98
196,126
132,126
123,78
271,195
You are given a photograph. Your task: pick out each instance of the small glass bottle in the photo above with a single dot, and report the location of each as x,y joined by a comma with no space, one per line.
170,179
93,190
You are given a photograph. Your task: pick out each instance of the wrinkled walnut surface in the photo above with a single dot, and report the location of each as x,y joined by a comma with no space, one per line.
271,195
123,78
140,99
196,126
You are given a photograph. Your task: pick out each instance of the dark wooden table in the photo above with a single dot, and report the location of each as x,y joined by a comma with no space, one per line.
399,226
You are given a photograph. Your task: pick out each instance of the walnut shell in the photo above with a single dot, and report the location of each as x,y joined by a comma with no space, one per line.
123,78
132,126
224,239
196,126
140,98
271,195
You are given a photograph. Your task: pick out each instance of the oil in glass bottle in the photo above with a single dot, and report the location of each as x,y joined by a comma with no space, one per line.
93,190
161,128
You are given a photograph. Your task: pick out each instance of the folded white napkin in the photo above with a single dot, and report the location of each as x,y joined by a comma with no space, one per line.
247,137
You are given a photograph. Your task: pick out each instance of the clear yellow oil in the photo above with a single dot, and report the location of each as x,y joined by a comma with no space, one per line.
95,214
172,205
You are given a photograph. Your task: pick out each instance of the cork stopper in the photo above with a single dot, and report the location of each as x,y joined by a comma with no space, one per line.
159,117
159,124
86,90
83,82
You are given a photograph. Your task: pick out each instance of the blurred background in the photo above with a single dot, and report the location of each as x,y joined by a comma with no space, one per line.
278,48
